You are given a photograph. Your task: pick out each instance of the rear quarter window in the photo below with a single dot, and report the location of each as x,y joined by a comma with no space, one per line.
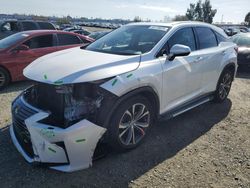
220,38
67,39
206,37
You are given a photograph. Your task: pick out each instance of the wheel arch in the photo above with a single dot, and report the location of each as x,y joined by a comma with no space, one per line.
145,91
231,67
9,74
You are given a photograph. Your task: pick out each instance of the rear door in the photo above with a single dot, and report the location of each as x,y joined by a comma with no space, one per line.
65,40
38,46
212,55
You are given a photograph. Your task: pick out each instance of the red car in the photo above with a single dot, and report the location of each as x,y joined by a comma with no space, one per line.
19,50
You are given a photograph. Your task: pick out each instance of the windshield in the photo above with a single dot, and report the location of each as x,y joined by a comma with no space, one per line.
242,40
13,39
129,40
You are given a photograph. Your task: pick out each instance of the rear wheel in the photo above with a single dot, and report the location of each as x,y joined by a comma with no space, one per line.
130,123
4,78
224,86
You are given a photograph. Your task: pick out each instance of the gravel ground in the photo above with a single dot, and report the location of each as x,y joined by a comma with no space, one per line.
205,147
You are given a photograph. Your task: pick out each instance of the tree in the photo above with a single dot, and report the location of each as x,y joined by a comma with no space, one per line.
247,19
191,12
208,12
201,11
180,18
137,19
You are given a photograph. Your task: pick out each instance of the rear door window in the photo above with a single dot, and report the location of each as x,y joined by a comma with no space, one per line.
67,39
40,42
29,26
45,25
206,37
183,36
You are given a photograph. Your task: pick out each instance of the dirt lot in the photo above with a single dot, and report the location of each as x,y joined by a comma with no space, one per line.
206,147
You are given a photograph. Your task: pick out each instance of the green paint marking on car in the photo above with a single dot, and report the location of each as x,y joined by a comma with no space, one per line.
49,148
81,140
114,82
128,76
59,82
45,77
47,132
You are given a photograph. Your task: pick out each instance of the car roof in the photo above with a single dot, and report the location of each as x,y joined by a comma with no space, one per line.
242,34
33,32
182,23
38,32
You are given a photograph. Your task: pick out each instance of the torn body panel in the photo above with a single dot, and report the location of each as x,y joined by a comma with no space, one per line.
58,129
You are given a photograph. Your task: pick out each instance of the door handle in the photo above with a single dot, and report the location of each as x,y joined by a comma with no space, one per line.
198,59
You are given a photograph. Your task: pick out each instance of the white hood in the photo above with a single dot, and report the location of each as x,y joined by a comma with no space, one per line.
76,65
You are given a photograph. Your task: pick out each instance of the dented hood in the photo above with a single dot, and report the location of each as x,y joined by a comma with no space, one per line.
76,65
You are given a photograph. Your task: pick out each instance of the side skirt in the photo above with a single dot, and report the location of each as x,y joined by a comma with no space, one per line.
186,106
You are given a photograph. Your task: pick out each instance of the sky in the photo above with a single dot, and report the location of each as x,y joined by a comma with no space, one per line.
155,10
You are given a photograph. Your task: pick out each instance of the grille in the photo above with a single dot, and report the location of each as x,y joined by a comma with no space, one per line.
20,112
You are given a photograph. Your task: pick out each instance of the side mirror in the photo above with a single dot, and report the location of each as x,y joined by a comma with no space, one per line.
22,47
178,50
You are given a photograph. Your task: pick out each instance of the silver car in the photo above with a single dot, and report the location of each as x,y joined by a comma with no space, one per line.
113,90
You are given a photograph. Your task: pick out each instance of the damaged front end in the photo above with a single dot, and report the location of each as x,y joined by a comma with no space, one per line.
60,125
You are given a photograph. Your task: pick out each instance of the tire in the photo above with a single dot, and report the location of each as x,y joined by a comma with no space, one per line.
127,130
4,78
223,86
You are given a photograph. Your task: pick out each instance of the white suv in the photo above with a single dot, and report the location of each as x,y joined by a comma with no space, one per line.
112,90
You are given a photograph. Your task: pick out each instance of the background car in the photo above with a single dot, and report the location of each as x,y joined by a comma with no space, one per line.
20,49
81,31
230,31
9,27
98,34
243,42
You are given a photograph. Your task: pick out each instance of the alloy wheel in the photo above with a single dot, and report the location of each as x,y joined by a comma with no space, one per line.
225,86
2,79
133,124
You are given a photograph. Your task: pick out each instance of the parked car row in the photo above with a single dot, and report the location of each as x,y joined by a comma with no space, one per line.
9,27
101,24
230,31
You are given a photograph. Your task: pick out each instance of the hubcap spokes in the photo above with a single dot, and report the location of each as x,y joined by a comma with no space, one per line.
2,79
133,124
225,86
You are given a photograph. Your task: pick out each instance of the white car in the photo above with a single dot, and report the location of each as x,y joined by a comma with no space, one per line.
113,90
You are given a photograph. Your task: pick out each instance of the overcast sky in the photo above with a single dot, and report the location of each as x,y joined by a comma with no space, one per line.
232,10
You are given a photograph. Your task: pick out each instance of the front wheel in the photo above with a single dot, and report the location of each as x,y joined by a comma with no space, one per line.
224,86
130,123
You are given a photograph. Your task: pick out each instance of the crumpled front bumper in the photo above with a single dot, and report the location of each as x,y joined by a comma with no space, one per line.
71,148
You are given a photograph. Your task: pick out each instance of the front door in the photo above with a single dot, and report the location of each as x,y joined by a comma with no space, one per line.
182,76
38,46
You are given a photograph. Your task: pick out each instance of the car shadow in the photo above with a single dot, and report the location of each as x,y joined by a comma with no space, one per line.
165,140
243,74
16,86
